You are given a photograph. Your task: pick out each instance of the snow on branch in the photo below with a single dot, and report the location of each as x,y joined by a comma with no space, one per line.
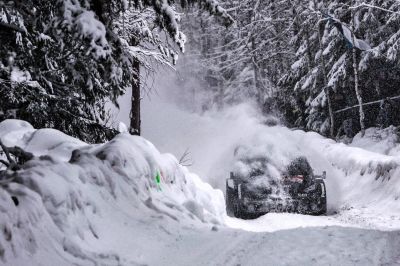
171,17
78,18
11,27
214,7
372,6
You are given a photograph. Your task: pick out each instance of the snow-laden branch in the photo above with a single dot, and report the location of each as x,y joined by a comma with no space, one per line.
11,27
372,6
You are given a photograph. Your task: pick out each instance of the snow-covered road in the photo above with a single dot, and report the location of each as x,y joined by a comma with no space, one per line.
283,221
305,246
354,218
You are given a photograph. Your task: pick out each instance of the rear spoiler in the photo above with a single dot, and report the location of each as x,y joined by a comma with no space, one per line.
323,176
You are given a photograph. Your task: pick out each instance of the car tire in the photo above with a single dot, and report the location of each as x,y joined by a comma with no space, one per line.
231,201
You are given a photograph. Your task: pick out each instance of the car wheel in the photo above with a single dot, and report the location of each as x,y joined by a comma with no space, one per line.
231,200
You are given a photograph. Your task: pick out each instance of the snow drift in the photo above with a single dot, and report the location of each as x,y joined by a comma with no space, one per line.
64,203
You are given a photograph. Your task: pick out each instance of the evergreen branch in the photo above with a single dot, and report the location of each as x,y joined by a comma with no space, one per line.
11,27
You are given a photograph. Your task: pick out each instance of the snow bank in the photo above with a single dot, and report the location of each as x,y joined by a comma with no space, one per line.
72,194
385,141
39,142
362,163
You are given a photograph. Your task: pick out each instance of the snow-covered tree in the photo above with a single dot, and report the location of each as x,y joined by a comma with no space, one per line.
242,61
61,61
58,66
339,51
321,69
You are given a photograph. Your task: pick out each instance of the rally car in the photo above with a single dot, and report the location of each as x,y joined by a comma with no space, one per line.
297,190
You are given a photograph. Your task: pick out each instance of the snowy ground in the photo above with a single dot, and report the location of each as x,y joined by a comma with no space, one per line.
102,205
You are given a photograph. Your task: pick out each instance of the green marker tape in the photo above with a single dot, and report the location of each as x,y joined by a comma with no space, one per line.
158,180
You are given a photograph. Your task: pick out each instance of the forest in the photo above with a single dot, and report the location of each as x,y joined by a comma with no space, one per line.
199,132
326,66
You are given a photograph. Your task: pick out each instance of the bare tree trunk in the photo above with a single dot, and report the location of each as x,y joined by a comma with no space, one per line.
356,82
134,116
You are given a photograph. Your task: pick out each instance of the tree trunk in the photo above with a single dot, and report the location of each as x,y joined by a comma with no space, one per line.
356,83
134,116
326,89
257,82
309,55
